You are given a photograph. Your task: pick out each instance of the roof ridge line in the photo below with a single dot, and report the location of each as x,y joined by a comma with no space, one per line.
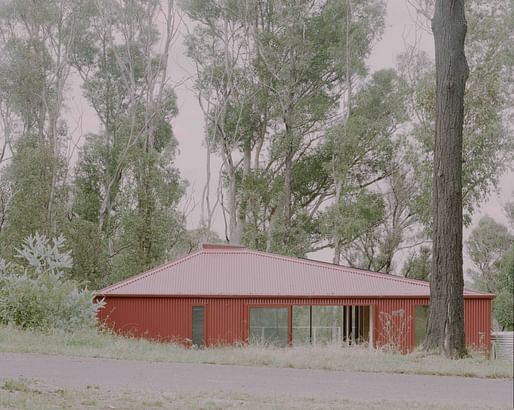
270,256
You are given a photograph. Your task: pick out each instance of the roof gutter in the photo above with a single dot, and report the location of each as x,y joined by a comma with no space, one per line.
119,295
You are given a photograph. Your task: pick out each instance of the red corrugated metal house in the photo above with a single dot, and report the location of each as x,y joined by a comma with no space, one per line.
223,294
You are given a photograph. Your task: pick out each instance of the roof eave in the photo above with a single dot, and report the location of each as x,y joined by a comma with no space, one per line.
231,296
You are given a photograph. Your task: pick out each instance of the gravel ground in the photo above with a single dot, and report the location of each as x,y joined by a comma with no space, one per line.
179,377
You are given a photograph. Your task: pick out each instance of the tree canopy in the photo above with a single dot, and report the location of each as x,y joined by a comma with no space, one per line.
318,152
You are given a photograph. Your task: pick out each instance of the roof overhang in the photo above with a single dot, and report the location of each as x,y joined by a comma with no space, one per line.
117,295
235,272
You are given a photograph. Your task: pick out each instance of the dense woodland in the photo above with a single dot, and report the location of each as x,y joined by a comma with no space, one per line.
317,151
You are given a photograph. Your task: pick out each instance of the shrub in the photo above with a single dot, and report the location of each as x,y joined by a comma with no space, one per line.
395,326
34,294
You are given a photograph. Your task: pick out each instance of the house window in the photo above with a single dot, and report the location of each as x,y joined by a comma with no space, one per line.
302,330
421,324
269,326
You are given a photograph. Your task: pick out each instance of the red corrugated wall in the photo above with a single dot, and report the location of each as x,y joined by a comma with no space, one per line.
169,318
478,323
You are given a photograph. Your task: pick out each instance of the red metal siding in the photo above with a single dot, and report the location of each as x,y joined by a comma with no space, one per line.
154,318
477,321
389,306
167,318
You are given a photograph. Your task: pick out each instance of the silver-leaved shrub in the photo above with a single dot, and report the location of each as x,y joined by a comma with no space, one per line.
34,293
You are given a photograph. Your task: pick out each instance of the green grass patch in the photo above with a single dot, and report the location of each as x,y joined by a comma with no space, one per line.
91,343
13,385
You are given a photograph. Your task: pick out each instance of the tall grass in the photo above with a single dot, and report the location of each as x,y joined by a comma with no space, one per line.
92,343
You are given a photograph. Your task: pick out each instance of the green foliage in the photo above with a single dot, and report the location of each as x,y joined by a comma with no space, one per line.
364,150
488,145
487,246
357,213
503,305
23,79
270,76
29,175
91,262
119,208
418,264
126,186
503,311
42,256
36,294
363,146
491,249
509,210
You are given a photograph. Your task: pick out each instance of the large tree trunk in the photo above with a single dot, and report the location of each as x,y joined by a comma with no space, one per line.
445,329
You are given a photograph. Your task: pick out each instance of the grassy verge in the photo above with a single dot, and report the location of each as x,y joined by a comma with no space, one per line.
33,395
90,343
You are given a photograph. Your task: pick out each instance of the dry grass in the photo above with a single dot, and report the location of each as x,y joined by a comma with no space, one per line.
90,343
34,395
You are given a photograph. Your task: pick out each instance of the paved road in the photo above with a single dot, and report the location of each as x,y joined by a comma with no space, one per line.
65,371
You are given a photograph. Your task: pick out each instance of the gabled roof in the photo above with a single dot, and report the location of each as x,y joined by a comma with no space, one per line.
227,270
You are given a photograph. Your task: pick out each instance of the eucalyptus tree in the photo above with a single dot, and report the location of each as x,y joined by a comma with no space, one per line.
35,71
445,327
376,246
363,148
126,184
221,49
302,55
503,305
490,247
418,264
271,75
487,245
488,146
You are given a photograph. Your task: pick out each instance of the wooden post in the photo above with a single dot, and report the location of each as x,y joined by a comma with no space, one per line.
348,325
371,341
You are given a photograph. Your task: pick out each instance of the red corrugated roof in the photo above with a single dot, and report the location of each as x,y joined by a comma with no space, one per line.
224,270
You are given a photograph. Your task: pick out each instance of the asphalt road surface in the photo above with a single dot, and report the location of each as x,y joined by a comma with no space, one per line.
79,372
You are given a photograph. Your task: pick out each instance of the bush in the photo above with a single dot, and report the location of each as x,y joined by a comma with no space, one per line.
34,294
503,310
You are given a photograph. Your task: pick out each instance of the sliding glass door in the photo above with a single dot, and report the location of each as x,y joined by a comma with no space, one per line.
269,326
310,324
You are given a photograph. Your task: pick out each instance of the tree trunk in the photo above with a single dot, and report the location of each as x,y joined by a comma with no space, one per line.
337,178
242,210
234,233
445,329
337,243
288,191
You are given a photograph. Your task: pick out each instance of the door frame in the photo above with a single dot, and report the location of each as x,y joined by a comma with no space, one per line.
205,309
